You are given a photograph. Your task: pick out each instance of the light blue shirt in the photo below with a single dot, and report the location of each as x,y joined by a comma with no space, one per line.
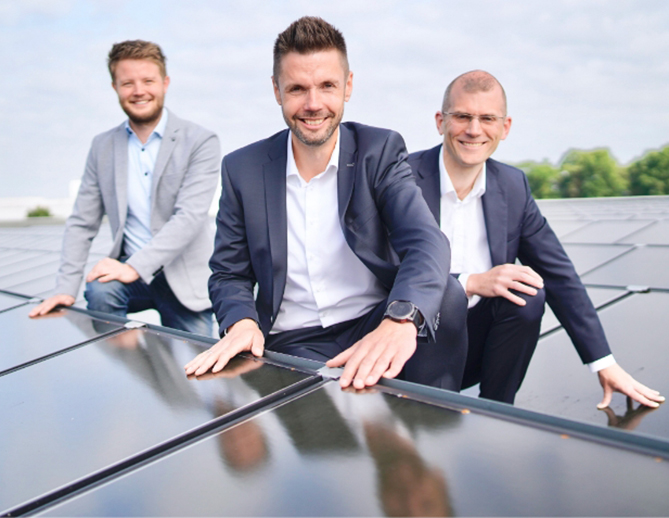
141,162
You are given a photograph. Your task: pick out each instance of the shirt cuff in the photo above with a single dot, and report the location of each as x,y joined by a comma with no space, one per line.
602,363
474,299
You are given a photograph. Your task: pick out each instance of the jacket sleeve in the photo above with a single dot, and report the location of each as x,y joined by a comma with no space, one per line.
232,280
81,228
541,250
423,250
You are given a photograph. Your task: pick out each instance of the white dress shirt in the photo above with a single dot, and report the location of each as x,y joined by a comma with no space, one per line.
326,283
141,163
464,224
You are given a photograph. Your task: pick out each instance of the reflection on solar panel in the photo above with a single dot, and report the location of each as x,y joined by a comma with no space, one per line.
99,419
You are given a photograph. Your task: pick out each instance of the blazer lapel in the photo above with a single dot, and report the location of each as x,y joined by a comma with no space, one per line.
274,173
169,142
495,215
348,152
121,175
430,182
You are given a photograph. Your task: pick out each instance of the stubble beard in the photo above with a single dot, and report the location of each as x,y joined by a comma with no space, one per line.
149,118
314,141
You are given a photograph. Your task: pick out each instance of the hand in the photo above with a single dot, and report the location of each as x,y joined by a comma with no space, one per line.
48,304
615,379
235,367
497,282
383,352
109,269
244,335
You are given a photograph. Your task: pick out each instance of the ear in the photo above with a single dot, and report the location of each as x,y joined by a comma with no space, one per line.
277,92
114,85
166,82
349,86
439,119
507,127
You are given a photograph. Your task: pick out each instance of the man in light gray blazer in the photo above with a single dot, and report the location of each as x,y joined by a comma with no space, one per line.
154,176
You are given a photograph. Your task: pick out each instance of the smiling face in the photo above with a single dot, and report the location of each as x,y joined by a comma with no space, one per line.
468,145
141,89
312,89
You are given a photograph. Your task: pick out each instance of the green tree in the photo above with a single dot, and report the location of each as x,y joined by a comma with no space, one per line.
586,174
650,175
543,178
39,212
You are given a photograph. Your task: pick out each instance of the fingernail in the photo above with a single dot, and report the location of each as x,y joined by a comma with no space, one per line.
370,381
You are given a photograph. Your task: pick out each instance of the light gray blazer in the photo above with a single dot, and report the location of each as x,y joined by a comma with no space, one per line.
184,181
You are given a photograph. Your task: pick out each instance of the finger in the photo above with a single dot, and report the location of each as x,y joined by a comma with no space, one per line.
108,277
221,361
192,365
373,361
398,363
513,298
41,309
640,398
649,392
351,364
531,281
527,270
379,369
607,397
340,359
524,288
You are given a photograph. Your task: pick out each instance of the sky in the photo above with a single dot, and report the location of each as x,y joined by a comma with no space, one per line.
578,74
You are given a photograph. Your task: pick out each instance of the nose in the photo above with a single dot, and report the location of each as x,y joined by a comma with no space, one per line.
474,126
138,89
312,101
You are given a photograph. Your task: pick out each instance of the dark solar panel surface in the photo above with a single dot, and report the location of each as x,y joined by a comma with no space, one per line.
100,420
377,454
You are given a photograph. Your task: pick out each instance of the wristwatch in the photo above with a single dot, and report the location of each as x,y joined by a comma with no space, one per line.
403,311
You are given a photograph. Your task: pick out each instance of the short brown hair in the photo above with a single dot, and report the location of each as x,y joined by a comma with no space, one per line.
136,49
473,81
306,35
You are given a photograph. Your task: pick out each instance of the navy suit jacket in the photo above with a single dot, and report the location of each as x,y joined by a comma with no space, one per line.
517,230
385,221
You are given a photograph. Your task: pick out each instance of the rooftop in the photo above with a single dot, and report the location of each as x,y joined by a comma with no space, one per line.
99,419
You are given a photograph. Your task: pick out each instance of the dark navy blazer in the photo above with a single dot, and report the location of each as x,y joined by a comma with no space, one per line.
385,221
517,230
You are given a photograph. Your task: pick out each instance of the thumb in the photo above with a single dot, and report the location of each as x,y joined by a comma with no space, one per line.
608,392
257,347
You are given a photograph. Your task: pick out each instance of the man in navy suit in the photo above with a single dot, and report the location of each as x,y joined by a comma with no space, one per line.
327,219
488,213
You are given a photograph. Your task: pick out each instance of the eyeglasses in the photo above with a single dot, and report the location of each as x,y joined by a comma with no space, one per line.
466,118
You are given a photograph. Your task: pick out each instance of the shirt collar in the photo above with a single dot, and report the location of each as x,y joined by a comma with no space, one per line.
159,130
291,166
447,185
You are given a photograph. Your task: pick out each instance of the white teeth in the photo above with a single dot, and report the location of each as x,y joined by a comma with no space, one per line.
472,144
312,122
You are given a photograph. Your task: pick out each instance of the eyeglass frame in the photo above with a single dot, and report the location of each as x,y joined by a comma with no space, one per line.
470,118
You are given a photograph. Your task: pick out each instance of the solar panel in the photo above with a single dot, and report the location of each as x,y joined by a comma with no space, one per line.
559,384
101,420
409,459
78,412
646,266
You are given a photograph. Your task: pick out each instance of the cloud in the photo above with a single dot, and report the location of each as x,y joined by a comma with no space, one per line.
577,74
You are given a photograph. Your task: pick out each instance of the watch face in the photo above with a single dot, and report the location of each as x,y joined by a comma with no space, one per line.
400,309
